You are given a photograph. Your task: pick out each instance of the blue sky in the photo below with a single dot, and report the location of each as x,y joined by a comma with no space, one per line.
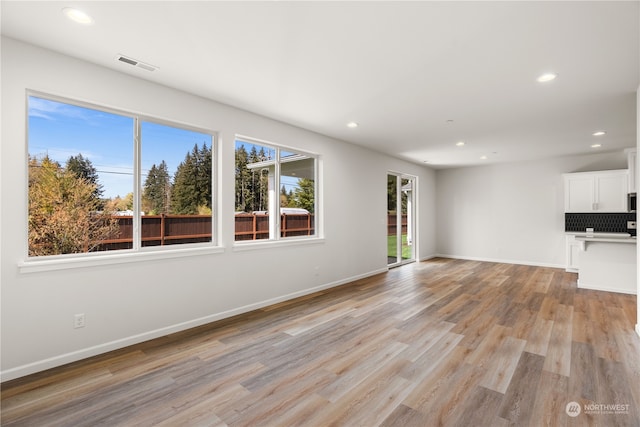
61,130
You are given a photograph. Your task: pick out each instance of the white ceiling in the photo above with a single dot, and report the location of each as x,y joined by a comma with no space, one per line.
401,70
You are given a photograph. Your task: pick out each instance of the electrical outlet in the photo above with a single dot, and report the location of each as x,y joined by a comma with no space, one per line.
79,321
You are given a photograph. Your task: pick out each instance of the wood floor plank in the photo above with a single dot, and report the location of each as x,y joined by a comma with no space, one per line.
406,417
583,380
613,388
604,340
420,344
480,409
582,328
517,405
351,375
441,342
548,308
432,358
629,345
558,357
320,317
444,401
19,404
540,280
539,336
438,380
488,348
371,401
499,371
550,401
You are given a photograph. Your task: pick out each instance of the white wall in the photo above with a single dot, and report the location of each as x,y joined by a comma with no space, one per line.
637,163
510,212
131,302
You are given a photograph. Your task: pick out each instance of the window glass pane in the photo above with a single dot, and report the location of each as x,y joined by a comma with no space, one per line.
270,180
297,194
254,166
80,171
176,185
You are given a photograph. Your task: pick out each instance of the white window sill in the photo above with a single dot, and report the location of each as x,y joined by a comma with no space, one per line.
251,245
35,265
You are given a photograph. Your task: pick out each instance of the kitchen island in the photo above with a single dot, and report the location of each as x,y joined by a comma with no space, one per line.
607,263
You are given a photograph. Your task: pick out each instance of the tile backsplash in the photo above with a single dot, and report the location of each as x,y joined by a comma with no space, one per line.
600,222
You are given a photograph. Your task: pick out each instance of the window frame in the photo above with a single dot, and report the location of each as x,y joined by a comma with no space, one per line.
275,231
137,251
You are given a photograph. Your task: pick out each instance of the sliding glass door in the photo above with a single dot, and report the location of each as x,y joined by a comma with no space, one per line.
400,219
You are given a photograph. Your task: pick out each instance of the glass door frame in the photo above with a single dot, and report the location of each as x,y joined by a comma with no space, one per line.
397,259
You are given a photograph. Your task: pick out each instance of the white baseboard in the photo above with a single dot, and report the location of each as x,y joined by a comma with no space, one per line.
600,288
84,353
638,329
502,261
428,257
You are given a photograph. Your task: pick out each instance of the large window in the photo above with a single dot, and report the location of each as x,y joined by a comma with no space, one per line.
101,180
275,192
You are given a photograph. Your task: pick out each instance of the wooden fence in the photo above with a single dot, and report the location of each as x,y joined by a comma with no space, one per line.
392,227
161,230
256,226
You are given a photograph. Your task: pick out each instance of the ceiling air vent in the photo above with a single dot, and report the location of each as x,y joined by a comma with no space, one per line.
136,63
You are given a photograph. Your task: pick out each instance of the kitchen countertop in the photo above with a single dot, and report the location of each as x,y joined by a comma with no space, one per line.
621,239
602,237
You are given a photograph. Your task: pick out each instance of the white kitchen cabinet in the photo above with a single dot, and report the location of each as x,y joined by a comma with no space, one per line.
608,265
602,191
573,248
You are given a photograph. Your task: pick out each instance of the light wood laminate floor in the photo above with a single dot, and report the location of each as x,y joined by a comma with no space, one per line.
442,342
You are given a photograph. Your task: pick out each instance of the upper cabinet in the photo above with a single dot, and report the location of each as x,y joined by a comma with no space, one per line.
603,191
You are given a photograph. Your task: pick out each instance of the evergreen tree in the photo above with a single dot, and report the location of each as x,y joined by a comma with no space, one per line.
192,182
252,185
157,190
259,187
303,195
243,204
284,197
82,168
392,193
204,176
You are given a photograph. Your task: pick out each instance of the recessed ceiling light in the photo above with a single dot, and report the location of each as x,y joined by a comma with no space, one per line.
483,157
78,16
596,145
547,77
460,143
352,125
599,133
